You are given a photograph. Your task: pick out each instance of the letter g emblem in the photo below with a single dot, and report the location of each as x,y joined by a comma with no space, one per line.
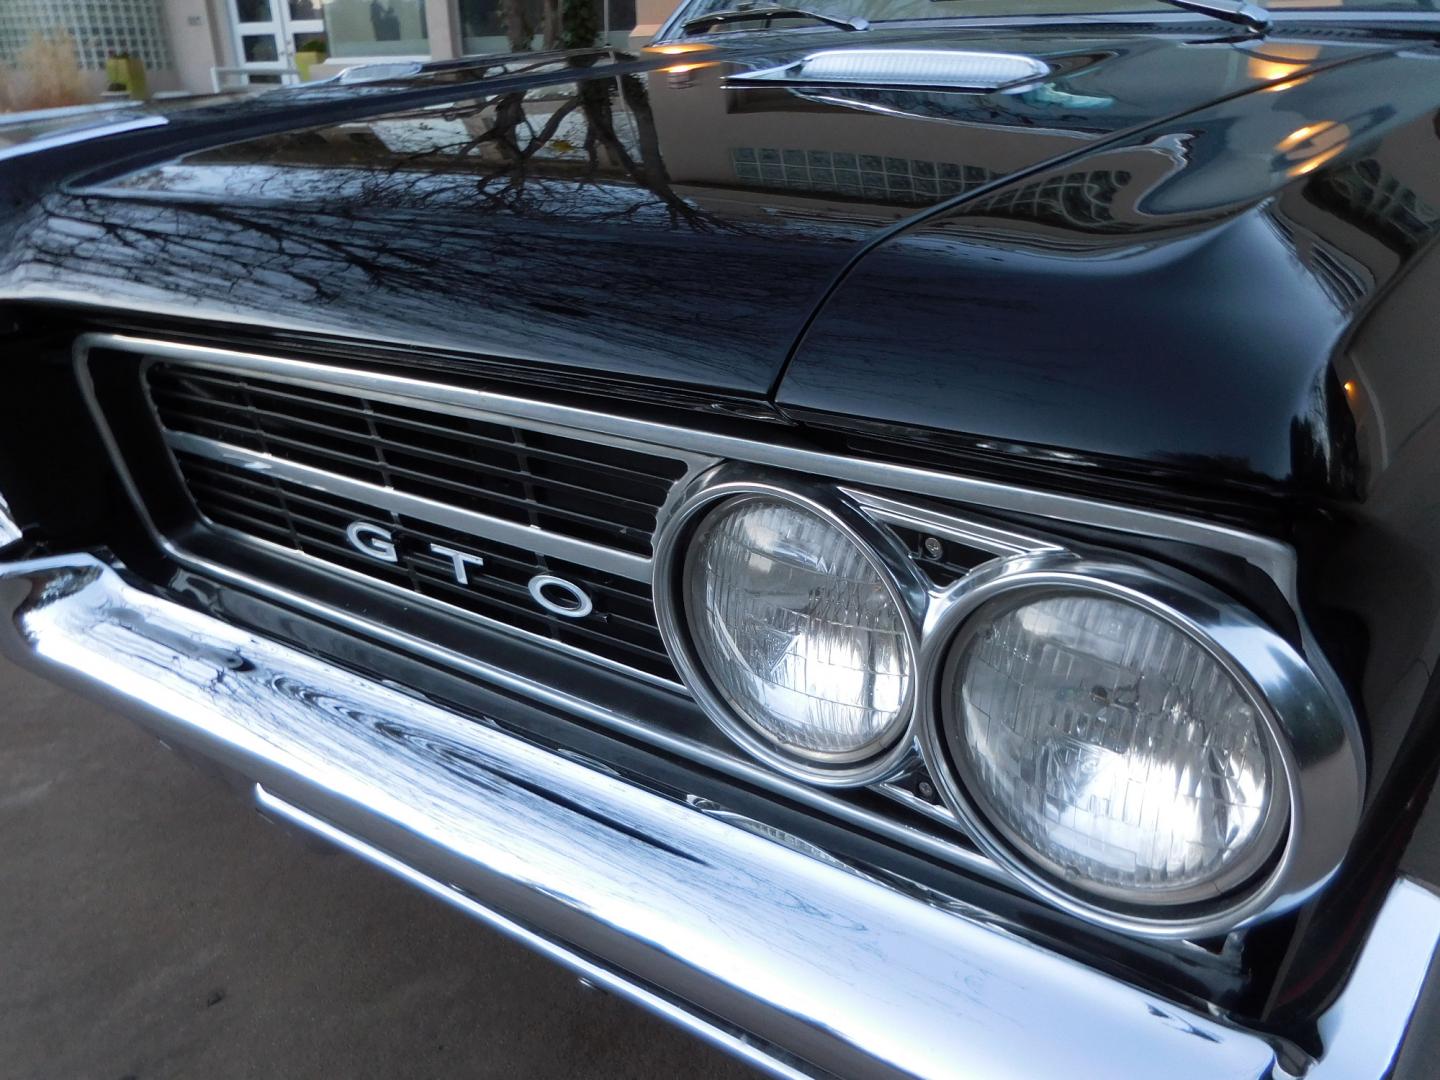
372,540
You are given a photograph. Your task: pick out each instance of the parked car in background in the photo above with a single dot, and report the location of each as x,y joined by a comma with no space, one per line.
901,536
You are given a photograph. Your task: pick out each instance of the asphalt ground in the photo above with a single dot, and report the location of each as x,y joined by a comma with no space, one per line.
153,925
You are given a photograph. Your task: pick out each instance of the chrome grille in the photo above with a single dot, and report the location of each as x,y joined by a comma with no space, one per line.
585,490
229,454
295,466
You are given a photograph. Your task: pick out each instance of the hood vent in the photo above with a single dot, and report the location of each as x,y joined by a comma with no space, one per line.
908,69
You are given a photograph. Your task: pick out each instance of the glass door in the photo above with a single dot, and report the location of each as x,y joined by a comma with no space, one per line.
268,33
304,25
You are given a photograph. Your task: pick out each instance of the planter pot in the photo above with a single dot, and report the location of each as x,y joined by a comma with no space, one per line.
305,59
128,72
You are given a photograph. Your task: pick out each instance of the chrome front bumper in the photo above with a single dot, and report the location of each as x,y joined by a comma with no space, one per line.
796,963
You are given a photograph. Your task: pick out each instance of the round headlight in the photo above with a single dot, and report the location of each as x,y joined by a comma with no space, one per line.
1110,749
798,632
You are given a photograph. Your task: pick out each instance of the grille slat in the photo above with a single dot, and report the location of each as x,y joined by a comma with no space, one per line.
431,425
416,482
566,487
535,478
624,628
213,493
185,419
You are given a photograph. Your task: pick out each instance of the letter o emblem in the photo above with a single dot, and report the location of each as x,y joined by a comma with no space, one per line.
579,605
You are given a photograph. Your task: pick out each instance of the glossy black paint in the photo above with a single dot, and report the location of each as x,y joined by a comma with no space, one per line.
1234,247
552,225
1184,271
610,225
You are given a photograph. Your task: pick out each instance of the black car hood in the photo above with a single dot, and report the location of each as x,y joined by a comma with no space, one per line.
631,218
1177,305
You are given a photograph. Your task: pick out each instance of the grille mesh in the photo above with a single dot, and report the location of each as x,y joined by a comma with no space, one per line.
587,491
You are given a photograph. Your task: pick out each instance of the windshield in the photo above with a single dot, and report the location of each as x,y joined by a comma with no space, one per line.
910,10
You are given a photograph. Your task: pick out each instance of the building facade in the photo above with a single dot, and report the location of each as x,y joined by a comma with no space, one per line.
197,46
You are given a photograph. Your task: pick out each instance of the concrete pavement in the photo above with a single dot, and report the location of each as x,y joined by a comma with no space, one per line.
153,925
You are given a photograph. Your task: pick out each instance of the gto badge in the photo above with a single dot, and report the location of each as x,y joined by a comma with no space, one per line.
554,594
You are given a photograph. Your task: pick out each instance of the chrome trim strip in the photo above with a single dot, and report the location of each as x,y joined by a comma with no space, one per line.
9,530
1315,739
83,134
997,541
608,560
1271,556
935,811
711,918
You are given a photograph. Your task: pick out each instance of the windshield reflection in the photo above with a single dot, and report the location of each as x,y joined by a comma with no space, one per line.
881,11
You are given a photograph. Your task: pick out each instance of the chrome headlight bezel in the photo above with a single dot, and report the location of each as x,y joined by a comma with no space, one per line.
902,582
1316,760
1233,878
1312,733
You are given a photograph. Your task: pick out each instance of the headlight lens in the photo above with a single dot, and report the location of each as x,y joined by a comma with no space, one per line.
1111,748
797,630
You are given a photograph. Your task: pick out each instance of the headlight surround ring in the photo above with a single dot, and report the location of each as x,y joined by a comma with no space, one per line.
901,580
1312,746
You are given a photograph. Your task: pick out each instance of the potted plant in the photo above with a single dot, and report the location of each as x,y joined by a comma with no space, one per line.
126,72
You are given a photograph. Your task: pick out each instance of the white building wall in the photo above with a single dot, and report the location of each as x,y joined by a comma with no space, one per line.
181,40
199,40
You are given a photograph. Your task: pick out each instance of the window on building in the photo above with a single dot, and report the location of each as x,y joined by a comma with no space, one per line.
101,28
377,28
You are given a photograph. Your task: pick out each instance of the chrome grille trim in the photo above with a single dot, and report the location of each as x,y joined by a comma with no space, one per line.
482,526
484,405
956,852
247,446
598,492
999,542
568,701
452,659
418,598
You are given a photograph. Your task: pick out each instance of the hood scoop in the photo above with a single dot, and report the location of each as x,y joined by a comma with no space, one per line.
952,70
